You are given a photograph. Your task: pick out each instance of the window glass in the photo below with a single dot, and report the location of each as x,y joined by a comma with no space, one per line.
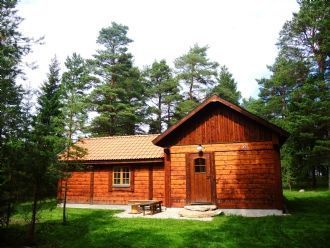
200,165
121,176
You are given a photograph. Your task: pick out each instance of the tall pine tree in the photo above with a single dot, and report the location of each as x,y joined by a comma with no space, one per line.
307,35
197,74
196,71
162,93
75,83
118,97
296,96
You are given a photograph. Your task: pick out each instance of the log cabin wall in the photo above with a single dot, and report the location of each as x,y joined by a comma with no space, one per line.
95,187
247,175
245,157
158,179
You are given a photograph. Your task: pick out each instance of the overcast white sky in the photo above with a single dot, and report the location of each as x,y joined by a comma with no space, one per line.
241,34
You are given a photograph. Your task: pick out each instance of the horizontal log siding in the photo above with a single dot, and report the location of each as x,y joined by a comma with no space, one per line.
79,186
178,180
246,175
158,183
104,194
246,179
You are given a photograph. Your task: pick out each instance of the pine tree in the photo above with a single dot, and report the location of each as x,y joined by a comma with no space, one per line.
275,92
309,121
307,35
196,71
163,92
296,96
118,97
227,87
75,82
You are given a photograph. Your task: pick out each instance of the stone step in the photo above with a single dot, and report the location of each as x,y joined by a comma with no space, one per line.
199,214
200,208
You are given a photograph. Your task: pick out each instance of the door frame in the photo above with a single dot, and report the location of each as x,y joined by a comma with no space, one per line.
212,176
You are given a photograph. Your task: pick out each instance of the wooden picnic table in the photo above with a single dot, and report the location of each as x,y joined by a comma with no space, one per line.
152,205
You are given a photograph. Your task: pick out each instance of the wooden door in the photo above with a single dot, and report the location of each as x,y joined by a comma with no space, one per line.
200,178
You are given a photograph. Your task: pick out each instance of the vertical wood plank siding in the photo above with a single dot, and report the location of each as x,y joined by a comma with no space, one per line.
218,125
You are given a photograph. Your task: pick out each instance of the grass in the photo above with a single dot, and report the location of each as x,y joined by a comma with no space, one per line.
307,226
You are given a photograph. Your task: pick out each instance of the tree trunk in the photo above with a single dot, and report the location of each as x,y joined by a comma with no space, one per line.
159,114
64,201
169,117
329,176
31,231
191,84
313,177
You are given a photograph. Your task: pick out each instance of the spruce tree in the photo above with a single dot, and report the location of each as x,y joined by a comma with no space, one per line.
45,142
13,47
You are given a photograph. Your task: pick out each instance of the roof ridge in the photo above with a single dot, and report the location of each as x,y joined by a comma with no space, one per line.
119,136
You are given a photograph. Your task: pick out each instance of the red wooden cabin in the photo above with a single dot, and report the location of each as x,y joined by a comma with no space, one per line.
219,153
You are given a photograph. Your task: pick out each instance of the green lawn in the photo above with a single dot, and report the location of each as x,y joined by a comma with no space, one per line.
307,226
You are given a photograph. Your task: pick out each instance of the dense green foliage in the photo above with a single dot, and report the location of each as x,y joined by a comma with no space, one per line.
13,121
297,95
163,94
75,82
118,95
226,87
307,226
44,143
197,73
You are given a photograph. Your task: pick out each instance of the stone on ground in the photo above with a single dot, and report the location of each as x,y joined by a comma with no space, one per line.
201,208
199,214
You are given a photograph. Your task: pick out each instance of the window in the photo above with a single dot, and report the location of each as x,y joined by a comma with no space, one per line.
121,177
200,165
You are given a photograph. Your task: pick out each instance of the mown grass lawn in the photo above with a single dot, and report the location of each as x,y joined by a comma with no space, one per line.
307,226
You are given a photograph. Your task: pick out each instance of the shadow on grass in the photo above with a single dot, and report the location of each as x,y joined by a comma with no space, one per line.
307,226
87,228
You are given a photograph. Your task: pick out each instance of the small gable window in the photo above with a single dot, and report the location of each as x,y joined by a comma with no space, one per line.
121,176
200,165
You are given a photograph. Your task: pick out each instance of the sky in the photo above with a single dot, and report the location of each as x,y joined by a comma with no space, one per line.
241,34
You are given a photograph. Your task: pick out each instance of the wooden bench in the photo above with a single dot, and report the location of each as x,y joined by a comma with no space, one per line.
153,206
138,206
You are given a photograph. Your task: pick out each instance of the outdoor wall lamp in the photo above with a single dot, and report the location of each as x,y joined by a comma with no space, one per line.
200,148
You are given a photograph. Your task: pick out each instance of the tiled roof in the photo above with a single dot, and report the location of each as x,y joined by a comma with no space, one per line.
120,148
